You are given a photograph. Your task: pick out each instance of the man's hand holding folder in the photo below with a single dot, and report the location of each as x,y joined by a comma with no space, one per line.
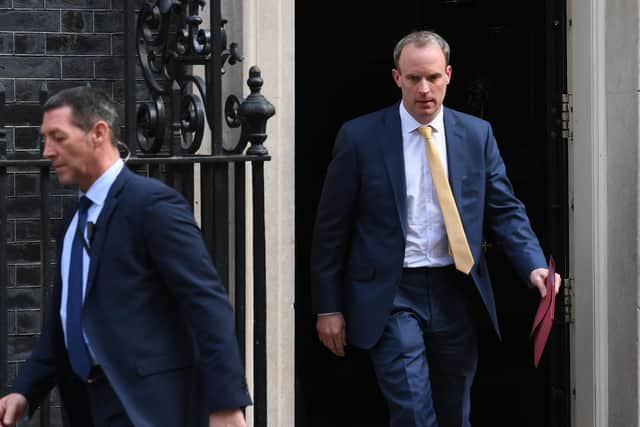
548,283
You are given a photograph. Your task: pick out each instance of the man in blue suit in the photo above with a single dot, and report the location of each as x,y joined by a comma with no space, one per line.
397,245
140,331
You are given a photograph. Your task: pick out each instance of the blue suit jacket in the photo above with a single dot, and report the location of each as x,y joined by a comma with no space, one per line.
361,224
156,315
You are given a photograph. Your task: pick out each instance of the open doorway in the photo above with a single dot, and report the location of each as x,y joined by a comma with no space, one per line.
508,61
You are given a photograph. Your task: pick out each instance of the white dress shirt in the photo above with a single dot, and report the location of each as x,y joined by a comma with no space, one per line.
426,244
97,193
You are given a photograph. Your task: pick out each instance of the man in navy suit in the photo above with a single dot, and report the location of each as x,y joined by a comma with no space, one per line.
140,331
385,273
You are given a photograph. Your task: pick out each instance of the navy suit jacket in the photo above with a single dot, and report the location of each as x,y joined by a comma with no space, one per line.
155,313
361,225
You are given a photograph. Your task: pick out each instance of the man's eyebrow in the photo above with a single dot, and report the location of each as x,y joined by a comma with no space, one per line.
52,131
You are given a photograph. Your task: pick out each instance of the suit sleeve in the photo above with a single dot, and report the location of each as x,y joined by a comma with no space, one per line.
178,252
506,215
333,226
38,375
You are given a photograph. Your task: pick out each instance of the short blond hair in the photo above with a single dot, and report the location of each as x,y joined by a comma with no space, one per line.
421,39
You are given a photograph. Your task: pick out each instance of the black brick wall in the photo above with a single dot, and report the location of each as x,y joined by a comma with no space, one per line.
64,43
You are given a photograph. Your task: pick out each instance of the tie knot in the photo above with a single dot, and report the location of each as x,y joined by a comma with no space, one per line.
425,131
85,203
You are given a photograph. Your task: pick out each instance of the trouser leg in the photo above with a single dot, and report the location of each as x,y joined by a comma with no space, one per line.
401,367
426,359
452,349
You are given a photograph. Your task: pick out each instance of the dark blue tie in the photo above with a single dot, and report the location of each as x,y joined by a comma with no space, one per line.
76,346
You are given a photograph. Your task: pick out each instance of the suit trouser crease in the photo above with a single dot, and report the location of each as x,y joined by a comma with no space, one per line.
426,359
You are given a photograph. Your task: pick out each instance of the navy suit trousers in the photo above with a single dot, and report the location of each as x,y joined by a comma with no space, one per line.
426,359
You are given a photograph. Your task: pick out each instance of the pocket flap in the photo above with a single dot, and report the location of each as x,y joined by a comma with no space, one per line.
154,365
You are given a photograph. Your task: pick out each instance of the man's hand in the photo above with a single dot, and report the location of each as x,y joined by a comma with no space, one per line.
12,407
538,277
332,332
228,418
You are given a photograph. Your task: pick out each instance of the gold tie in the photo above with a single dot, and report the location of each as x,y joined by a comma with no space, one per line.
453,224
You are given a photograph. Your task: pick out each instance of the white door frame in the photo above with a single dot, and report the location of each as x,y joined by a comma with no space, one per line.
588,212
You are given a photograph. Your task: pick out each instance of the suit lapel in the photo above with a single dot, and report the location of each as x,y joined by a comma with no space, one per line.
456,152
392,150
110,204
391,146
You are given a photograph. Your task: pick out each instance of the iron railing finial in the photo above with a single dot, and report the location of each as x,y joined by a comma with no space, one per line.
254,112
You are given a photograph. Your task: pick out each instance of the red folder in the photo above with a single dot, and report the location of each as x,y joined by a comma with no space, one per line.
544,316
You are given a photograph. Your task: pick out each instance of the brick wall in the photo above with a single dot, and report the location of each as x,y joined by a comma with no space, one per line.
65,43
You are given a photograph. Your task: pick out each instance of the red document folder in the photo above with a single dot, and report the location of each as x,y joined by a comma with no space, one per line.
544,316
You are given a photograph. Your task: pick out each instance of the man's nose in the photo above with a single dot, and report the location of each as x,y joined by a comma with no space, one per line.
47,150
424,86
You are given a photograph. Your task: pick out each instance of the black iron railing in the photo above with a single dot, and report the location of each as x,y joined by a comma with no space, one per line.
163,137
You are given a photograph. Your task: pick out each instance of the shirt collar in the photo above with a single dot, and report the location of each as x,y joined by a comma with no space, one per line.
409,124
100,188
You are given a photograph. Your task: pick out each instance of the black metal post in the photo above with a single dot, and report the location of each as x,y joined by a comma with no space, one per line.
221,173
259,298
130,76
240,303
153,170
215,215
214,78
254,112
220,190
180,177
176,124
206,206
4,269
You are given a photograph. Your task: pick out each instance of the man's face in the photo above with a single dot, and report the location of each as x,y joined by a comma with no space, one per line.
422,76
68,147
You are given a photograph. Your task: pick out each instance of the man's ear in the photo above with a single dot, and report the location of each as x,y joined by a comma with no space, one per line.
100,132
396,76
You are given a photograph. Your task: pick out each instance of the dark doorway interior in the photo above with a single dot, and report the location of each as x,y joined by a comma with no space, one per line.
508,68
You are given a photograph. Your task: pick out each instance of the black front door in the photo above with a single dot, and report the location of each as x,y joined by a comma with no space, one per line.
508,63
